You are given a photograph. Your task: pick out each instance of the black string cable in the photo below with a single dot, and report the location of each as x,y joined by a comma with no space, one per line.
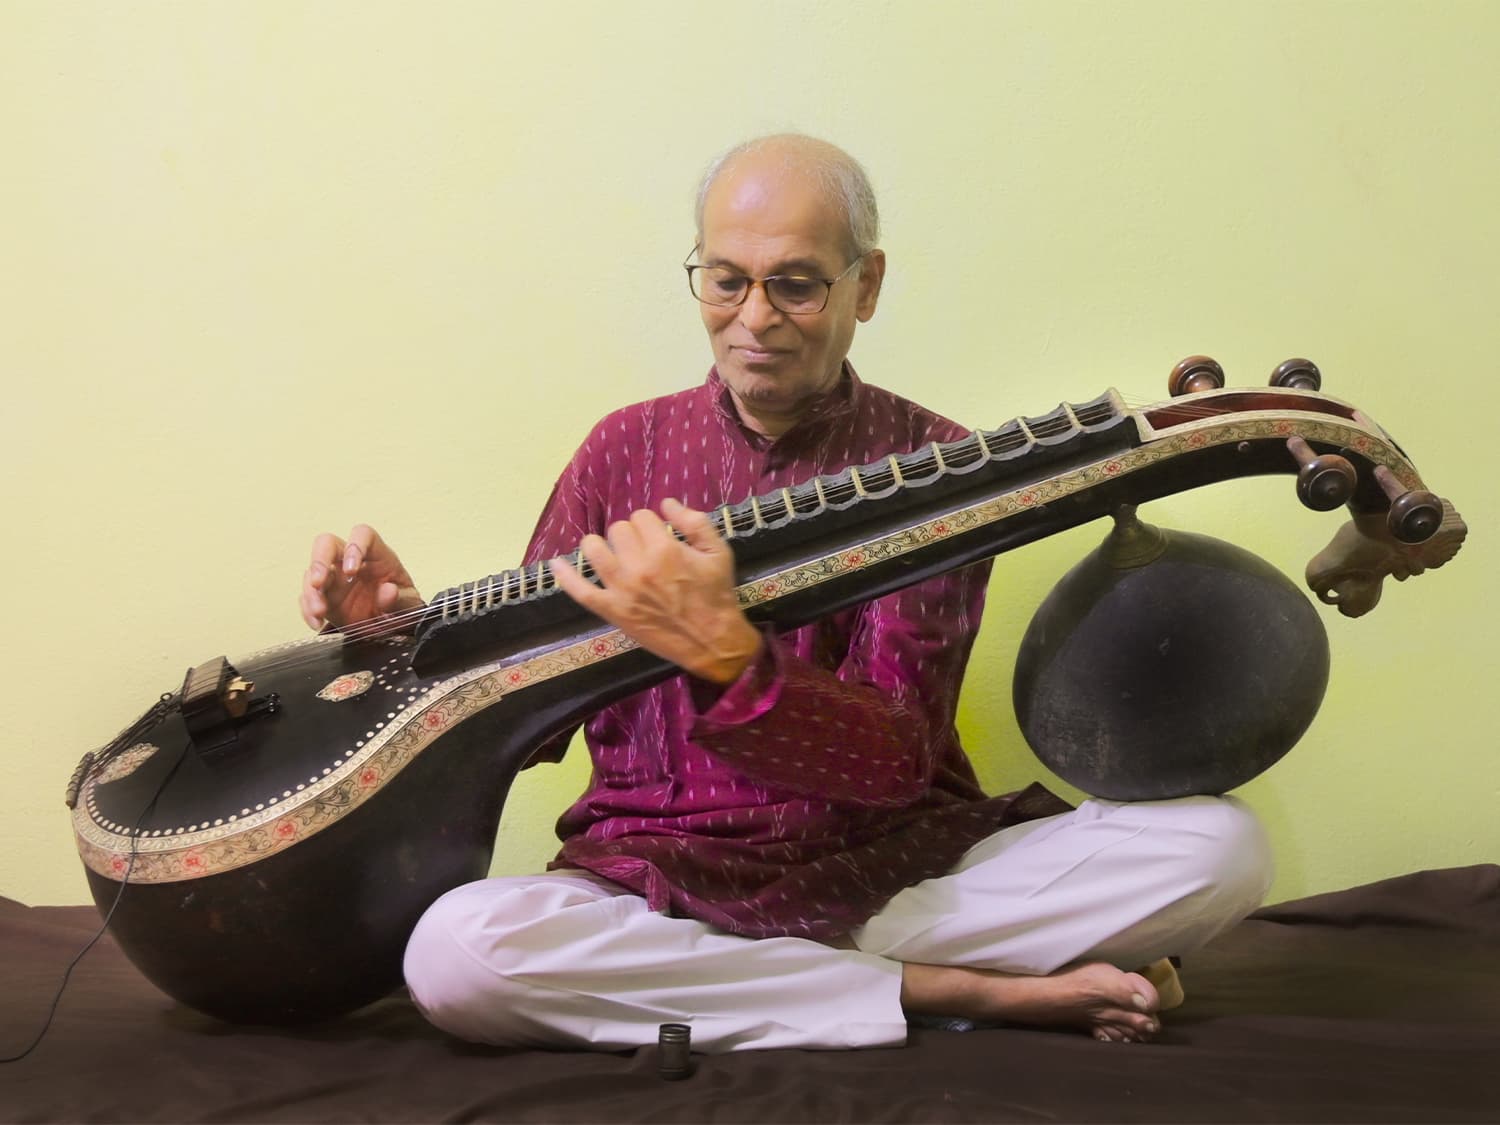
109,914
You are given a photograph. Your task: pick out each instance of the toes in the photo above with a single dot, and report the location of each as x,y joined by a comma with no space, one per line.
1125,1027
1142,993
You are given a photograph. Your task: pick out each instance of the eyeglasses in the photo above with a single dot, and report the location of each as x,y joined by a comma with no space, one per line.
799,296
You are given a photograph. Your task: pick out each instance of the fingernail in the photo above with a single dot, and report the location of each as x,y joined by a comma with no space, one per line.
351,559
1140,1002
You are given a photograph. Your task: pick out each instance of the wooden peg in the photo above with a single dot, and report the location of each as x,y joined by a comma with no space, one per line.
1299,374
1193,374
1325,481
1415,514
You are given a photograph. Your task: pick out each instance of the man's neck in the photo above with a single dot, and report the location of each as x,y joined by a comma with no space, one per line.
768,425
773,424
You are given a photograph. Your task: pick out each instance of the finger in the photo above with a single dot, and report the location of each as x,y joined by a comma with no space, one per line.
326,552
575,585
387,596
599,555
313,600
362,539
622,538
312,612
393,597
697,529
653,533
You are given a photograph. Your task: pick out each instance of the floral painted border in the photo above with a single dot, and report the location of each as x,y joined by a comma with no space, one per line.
189,855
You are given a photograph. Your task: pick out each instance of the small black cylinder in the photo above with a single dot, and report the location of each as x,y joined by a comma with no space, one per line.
675,1044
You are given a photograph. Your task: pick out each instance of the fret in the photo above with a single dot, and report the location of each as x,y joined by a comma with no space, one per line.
1012,436
872,484
1095,413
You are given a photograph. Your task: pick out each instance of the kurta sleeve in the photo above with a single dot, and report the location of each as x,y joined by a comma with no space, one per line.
871,730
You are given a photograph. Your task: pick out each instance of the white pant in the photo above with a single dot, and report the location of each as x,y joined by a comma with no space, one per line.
568,959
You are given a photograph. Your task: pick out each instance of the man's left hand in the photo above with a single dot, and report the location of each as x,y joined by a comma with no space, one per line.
674,597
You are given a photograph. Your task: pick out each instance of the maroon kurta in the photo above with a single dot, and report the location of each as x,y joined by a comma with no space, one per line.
830,775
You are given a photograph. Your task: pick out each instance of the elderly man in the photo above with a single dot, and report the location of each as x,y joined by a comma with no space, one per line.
785,845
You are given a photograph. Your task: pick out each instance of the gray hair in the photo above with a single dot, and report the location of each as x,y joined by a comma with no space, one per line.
837,173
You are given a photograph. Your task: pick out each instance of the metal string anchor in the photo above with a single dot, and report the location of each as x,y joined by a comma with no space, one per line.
674,1043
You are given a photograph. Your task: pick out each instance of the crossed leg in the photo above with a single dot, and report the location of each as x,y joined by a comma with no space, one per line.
1040,924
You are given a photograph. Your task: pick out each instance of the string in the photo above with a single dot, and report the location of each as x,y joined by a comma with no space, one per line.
528,583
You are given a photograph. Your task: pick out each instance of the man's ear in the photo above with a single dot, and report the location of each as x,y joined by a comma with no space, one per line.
871,277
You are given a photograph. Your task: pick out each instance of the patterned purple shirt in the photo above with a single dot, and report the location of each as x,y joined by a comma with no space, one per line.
830,775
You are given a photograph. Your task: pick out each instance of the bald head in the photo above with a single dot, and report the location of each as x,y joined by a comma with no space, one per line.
837,176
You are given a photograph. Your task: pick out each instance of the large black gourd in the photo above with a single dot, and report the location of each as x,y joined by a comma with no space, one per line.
1167,664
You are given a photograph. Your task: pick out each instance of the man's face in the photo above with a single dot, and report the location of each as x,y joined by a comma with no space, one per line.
762,222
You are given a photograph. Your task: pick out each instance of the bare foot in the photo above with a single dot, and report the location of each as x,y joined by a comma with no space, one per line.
1110,1004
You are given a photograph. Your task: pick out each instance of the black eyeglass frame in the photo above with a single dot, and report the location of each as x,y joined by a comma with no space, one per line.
764,283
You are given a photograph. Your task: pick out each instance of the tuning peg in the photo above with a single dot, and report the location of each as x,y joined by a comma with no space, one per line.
1196,373
1299,374
1415,513
1325,480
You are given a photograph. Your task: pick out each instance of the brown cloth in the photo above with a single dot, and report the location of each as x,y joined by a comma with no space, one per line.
1376,1004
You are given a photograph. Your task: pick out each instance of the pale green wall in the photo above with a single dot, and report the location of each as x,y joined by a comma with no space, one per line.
273,267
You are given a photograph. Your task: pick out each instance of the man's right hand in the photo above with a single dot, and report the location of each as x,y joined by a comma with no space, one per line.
354,580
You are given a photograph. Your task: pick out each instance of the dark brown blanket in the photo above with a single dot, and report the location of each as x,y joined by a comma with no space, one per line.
1380,1003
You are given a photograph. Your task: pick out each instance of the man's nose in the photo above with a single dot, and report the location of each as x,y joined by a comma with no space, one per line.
757,312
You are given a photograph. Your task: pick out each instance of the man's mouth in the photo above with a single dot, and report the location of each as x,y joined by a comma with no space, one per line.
759,355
